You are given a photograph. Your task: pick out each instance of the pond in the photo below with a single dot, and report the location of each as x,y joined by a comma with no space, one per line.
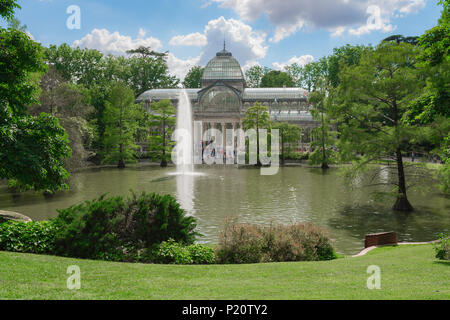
295,194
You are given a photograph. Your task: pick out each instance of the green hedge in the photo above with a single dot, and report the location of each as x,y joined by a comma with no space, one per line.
121,229
115,229
28,237
171,252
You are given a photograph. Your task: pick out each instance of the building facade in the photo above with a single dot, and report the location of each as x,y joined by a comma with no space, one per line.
223,100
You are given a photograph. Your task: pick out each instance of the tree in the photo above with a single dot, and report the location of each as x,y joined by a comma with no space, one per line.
322,100
289,133
345,55
14,23
149,70
32,149
162,120
374,97
193,78
433,107
121,117
276,79
307,75
147,52
7,8
254,75
398,38
256,117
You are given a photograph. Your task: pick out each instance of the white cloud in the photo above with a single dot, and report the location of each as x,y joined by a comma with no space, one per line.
192,39
247,45
336,16
179,67
115,43
301,61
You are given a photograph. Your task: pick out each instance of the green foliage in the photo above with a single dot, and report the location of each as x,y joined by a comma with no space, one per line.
120,117
343,56
7,8
20,57
294,155
193,78
444,171
371,101
398,38
324,137
305,76
162,122
244,243
32,151
254,75
434,64
256,117
276,79
289,133
121,229
28,237
442,248
171,252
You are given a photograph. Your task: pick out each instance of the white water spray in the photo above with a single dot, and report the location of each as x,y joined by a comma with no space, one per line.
184,135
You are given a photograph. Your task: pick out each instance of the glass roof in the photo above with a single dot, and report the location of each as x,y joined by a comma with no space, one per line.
291,117
223,67
274,93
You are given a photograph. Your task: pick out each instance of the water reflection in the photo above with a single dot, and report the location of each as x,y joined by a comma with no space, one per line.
185,192
295,194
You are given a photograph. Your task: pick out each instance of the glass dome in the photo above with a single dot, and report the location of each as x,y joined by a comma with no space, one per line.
223,67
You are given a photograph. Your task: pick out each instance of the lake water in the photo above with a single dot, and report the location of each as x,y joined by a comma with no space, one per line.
295,194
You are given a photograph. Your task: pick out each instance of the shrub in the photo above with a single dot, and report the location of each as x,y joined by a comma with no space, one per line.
244,243
171,252
240,243
28,237
201,254
442,248
121,229
294,155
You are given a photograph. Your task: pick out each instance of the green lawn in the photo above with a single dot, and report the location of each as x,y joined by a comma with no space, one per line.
407,272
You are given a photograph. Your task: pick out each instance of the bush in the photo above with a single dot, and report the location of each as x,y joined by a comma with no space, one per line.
28,237
244,243
121,229
294,155
171,252
442,248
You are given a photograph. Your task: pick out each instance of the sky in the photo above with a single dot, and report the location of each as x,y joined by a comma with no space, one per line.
271,33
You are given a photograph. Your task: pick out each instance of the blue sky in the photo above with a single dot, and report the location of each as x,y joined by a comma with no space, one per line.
270,33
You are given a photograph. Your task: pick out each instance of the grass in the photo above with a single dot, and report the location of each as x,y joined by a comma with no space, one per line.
407,272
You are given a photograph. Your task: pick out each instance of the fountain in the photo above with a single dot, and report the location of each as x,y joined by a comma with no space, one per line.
183,136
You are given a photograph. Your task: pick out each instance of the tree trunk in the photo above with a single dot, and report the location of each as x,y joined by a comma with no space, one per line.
324,152
402,203
121,164
163,160
258,162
